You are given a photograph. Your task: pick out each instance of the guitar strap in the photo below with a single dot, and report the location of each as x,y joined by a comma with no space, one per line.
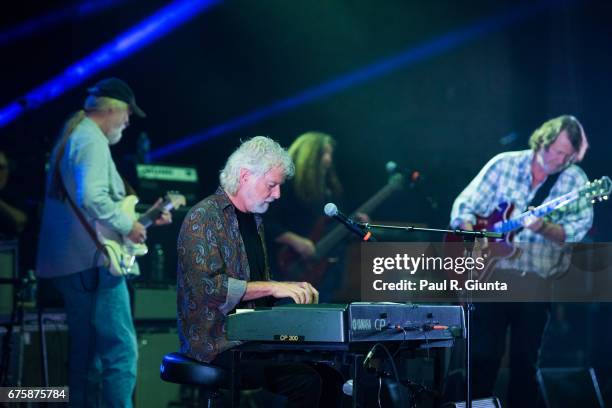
59,184
79,214
544,190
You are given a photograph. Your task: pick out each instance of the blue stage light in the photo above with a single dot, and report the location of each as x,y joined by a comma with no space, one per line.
147,31
42,23
403,59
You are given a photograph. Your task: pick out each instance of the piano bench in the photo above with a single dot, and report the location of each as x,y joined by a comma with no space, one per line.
180,369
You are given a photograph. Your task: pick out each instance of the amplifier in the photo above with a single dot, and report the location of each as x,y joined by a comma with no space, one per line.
25,363
154,180
155,302
151,391
8,270
159,264
570,387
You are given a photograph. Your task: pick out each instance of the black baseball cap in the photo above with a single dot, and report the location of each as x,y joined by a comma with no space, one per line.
117,89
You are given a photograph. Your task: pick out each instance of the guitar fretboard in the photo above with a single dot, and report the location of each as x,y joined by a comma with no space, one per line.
336,235
544,209
147,219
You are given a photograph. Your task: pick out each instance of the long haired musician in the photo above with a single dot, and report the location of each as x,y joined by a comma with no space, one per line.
298,222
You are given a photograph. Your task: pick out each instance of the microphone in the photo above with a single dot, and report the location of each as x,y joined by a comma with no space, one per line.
331,210
347,388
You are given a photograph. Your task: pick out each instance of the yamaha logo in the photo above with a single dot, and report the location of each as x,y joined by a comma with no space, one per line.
366,324
361,324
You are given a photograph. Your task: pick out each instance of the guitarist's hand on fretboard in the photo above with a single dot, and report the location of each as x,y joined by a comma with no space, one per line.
480,244
303,246
532,222
362,217
165,217
138,234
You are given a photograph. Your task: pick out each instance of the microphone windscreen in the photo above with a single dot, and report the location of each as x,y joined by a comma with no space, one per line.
330,209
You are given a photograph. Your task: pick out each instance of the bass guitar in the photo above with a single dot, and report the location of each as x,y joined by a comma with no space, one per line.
292,266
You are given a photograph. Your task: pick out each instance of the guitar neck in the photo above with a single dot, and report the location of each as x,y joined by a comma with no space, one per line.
336,235
540,211
148,218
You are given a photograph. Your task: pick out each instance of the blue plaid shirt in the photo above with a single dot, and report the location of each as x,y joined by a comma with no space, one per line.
507,177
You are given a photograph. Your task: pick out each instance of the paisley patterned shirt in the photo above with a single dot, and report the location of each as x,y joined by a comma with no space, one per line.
213,270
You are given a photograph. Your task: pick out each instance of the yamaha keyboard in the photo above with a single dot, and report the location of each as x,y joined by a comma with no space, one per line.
340,335
349,323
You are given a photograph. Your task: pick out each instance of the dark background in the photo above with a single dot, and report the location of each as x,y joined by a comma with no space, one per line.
445,114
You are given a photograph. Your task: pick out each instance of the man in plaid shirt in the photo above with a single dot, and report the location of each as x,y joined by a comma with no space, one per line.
515,177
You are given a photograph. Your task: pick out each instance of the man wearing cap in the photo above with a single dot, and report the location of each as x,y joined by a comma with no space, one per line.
84,187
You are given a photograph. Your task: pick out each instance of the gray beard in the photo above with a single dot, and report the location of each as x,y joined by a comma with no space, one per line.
115,136
261,208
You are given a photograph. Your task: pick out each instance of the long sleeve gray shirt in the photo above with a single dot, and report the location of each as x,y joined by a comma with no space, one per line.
92,180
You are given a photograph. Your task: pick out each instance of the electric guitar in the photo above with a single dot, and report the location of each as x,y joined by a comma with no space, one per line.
501,220
121,252
294,267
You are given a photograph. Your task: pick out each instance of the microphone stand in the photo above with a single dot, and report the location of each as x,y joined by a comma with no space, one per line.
469,238
409,228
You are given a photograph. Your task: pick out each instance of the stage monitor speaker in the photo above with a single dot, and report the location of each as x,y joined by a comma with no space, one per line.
570,387
155,303
478,403
151,391
25,361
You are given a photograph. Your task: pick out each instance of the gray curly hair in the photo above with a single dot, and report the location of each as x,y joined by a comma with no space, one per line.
258,155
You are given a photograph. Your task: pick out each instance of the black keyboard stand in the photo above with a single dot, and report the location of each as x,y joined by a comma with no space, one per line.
344,357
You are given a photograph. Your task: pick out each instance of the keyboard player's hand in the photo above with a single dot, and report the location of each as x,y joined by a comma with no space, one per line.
300,292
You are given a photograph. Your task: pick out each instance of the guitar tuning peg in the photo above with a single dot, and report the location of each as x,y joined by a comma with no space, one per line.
592,201
605,197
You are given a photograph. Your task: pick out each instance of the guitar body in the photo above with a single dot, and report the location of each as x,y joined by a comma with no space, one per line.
503,247
294,267
122,252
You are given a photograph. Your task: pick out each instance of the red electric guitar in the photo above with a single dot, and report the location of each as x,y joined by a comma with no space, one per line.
501,220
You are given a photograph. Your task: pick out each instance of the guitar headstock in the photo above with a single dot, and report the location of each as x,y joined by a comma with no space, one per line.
399,177
173,200
396,181
597,190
